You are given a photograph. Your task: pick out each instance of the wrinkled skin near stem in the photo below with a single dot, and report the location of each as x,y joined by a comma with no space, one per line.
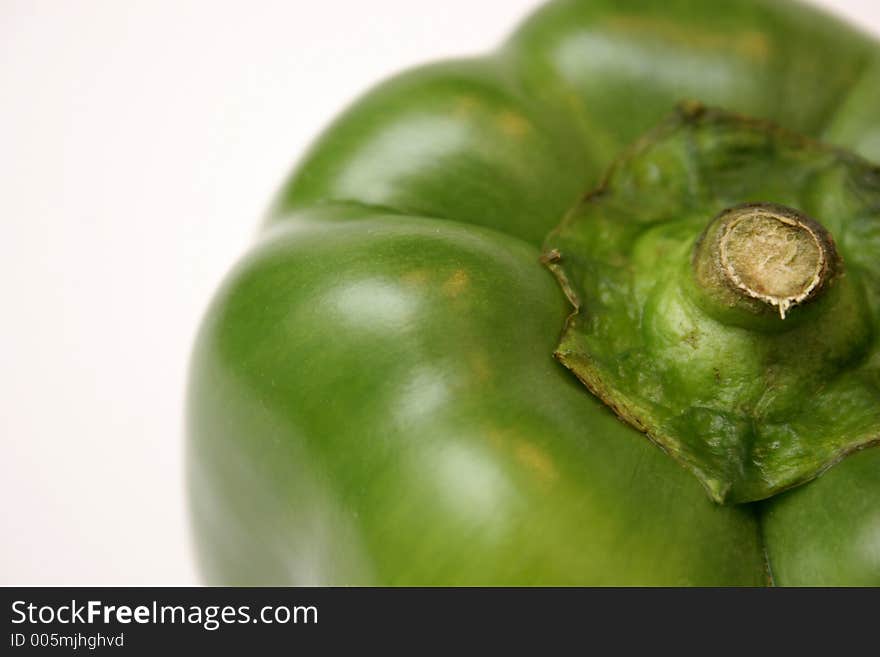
743,345
373,398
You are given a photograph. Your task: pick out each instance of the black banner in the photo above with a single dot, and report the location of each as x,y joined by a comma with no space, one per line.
148,620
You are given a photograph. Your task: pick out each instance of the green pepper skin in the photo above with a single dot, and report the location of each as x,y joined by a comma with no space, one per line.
377,404
451,141
373,398
827,533
619,67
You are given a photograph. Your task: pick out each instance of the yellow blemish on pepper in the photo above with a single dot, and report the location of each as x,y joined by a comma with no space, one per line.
513,124
457,283
415,277
479,364
496,438
533,458
536,460
465,105
748,43
753,44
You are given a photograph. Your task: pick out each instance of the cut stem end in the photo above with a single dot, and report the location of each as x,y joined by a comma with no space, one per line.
761,256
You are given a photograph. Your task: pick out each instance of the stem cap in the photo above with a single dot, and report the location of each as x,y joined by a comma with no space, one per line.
765,252
741,347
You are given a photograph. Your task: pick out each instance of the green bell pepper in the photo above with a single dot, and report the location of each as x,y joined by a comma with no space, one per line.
373,394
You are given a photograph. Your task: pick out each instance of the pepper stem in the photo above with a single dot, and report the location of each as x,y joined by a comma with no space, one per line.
762,258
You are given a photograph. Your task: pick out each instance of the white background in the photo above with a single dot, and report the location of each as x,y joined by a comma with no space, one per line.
139,145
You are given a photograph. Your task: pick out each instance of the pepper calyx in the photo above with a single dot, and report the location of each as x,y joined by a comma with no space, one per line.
711,312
